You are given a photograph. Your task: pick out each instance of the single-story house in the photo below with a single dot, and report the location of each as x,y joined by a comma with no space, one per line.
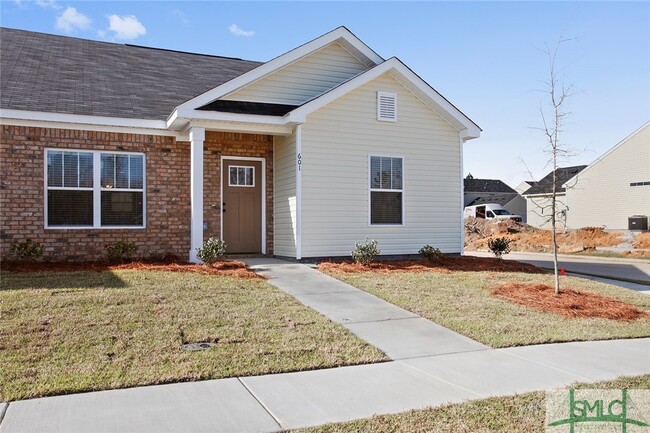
484,191
299,156
614,187
539,198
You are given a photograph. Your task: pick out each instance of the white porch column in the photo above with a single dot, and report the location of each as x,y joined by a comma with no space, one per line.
197,136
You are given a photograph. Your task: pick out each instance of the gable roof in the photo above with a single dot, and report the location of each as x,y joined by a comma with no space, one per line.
487,185
502,199
40,72
563,174
603,156
122,84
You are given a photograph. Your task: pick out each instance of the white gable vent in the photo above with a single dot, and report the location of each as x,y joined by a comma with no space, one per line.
387,107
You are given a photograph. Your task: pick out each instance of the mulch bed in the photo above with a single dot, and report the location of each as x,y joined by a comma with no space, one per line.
569,303
443,265
229,268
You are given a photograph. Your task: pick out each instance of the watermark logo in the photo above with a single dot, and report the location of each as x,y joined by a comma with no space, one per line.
598,411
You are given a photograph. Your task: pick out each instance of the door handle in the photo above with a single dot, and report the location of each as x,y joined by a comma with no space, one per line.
223,207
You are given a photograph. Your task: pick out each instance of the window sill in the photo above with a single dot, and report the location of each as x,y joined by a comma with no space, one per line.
95,228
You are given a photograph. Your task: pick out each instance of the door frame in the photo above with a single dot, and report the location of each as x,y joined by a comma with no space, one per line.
244,158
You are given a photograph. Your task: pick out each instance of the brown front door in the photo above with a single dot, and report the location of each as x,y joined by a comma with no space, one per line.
242,206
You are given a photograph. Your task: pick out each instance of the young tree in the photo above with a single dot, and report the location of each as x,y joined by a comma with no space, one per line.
553,119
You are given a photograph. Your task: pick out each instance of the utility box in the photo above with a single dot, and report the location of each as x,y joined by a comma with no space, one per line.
637,222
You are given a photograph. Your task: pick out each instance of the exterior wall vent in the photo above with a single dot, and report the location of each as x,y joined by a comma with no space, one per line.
386,107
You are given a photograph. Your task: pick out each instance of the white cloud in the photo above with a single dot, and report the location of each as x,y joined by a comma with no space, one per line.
126,27
181,16
237,31
70,20
48,4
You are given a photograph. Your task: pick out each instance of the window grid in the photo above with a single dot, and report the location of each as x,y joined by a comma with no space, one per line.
386,176
249,181
98,188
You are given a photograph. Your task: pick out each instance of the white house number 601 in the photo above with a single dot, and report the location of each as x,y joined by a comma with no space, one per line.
299,161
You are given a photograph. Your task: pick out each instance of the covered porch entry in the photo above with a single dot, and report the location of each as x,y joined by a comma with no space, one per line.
231,190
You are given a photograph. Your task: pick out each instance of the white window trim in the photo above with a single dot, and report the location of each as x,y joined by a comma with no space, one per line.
371,189
238,167
390,95
97,190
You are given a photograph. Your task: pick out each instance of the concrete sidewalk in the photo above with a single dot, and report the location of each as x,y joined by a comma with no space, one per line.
293,400
399,333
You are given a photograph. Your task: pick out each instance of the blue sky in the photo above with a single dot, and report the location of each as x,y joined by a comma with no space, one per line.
483,56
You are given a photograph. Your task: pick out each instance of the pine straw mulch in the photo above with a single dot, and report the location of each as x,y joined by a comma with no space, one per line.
569,303
230,268
443,265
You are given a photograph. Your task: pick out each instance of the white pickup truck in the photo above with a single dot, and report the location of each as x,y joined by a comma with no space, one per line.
490,211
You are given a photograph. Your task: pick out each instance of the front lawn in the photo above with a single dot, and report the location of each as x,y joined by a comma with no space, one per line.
63,332
461,301
519,413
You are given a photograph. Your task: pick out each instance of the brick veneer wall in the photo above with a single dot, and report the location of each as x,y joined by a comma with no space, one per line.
168,189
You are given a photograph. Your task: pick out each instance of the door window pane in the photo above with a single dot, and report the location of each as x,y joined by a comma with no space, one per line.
241,176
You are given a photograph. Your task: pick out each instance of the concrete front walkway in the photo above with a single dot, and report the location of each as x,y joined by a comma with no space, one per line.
399,333
292,400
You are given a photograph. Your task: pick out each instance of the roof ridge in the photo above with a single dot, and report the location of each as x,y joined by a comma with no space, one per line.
129,45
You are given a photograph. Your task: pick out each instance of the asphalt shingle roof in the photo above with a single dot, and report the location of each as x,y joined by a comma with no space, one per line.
502,199
545,186
486,185
42,72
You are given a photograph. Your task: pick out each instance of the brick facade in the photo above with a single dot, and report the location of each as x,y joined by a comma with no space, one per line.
167,229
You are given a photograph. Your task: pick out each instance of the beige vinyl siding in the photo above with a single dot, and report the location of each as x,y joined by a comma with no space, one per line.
336,143
539,211
284,199
602,195
517,206
303,79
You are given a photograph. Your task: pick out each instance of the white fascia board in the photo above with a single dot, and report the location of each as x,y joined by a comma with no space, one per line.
250,128
433,99
190,114
340,34
39,119
604,155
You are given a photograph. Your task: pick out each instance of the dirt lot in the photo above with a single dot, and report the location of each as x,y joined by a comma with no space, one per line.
528,238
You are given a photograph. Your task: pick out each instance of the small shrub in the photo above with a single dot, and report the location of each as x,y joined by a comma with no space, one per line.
122,250
365,252
211,250
499,246
430,253
27,250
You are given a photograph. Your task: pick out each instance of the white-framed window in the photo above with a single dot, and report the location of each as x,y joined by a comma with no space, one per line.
239,175
387,106
386,190
94,189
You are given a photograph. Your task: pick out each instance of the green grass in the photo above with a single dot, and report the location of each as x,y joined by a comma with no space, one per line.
520,413
64,332
461,301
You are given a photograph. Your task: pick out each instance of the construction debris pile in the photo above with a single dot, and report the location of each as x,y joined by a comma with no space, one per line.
528,238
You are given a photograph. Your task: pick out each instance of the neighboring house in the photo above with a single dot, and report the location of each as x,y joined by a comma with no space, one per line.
483,191
539,198
300,156
614,187
524,186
